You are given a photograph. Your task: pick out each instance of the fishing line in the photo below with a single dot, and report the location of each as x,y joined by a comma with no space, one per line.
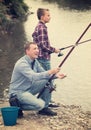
63,48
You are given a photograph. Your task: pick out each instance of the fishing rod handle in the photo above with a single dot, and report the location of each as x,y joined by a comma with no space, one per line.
62,48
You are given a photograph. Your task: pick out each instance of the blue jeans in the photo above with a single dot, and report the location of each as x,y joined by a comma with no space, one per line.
29,100
45,63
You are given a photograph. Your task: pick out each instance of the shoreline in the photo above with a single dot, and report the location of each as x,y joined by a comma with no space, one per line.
69,117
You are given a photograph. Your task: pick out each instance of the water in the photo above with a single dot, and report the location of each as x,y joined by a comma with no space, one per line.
64,29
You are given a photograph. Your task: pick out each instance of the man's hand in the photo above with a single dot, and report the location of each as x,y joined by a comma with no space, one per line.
60,76
54,71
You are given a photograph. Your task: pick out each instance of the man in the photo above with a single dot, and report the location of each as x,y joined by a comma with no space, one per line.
29,79
40,36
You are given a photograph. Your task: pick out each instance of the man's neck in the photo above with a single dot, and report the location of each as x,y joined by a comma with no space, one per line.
32,59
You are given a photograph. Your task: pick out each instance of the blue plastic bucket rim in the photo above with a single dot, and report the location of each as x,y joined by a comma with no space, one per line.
9,108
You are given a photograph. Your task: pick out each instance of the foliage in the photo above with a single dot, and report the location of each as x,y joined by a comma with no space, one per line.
11,10
17,8
3,18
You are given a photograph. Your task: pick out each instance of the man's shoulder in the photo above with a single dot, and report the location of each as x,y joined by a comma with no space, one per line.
21,60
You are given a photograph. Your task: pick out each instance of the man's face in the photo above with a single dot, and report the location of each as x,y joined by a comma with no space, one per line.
33,51
46,17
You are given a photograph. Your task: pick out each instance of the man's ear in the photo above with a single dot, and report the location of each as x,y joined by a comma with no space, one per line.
27,51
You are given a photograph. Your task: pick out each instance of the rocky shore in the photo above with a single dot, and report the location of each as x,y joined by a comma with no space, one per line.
68,118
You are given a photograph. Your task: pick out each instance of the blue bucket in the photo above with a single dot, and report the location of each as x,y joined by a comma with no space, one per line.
9,115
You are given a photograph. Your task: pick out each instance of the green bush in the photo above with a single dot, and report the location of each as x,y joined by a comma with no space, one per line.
16,8
10,9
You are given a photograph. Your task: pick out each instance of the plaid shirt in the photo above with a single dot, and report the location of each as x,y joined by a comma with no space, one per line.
40,36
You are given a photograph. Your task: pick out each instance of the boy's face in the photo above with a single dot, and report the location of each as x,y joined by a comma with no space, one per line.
46,17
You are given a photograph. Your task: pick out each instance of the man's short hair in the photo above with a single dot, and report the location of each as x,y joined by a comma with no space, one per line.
27,45
41,12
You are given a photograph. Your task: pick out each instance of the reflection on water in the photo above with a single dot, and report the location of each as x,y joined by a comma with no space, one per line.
11,48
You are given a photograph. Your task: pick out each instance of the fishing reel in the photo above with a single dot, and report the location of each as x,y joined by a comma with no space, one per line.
60,54
51,88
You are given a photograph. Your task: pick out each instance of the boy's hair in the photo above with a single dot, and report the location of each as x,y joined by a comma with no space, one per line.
27,45
41,12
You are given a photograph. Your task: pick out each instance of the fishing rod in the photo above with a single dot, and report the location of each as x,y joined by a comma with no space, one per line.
65,58
60,54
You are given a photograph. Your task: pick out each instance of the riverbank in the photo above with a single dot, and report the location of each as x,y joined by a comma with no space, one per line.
68,118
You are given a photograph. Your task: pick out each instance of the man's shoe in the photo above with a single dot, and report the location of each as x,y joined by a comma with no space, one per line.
53,105
47,111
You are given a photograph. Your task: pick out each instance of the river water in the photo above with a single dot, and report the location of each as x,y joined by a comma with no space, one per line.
65,27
